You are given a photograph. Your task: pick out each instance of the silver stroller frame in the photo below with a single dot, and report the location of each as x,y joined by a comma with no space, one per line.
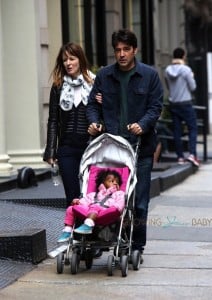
115,152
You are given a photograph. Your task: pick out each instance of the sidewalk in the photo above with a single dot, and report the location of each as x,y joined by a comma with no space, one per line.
177,259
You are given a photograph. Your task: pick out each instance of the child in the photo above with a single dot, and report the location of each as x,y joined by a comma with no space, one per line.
101,207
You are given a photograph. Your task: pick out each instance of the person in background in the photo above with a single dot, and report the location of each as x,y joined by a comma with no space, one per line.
67,135
181,83
132,97
103,207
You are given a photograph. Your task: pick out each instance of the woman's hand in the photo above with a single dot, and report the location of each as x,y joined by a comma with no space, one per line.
99,98
51,161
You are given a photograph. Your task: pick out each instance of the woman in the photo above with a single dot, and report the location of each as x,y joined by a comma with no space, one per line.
67,135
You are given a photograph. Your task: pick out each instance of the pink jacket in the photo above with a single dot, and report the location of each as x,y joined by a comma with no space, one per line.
116,199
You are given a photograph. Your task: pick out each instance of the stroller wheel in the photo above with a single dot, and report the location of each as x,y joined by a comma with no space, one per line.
124,265
60,263
136,259
110,263
74,263
88,259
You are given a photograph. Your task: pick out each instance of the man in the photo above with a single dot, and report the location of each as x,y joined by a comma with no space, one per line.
181,83
131,103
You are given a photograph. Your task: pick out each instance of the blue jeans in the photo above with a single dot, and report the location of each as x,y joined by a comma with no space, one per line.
69,160
187,114
142,197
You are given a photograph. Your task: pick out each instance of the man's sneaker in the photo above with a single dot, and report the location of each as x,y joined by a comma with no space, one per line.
84,229
181,161
193,160
65,236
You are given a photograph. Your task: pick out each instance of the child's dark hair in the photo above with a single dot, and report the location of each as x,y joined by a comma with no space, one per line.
101,176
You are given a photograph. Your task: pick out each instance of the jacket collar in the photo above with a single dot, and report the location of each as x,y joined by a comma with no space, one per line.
113,71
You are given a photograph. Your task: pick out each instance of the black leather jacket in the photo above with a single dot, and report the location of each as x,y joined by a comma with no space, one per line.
64,127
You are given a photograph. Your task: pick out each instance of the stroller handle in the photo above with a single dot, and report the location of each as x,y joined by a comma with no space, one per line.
138,144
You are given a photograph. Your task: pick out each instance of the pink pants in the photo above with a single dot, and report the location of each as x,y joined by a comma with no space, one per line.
105,216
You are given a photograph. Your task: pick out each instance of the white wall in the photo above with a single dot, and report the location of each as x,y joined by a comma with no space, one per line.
21,81
5,168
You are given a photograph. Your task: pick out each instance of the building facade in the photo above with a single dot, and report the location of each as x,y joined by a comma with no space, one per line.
31,33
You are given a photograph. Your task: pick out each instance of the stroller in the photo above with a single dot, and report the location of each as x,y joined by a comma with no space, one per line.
113,152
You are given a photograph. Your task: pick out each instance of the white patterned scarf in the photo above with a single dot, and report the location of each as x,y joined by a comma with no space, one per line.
67,96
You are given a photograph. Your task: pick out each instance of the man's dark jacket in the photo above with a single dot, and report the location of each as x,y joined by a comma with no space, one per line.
145,99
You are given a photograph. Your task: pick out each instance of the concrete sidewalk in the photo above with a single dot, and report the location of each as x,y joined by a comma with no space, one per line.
177,260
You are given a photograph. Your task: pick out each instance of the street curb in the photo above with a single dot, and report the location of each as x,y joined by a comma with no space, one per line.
175,176
9,183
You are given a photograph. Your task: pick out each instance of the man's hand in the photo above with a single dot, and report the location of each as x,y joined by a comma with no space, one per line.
135,128
94,129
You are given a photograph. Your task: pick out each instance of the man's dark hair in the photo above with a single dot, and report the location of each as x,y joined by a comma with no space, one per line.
124,36
101,176
178,53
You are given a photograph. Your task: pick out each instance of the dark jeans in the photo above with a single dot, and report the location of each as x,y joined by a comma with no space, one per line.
163,130
187,114
69,160
144,168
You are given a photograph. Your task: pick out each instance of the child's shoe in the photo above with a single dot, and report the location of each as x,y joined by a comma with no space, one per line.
65,236
84,229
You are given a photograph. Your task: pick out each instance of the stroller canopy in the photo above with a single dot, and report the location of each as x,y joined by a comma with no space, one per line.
112,151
